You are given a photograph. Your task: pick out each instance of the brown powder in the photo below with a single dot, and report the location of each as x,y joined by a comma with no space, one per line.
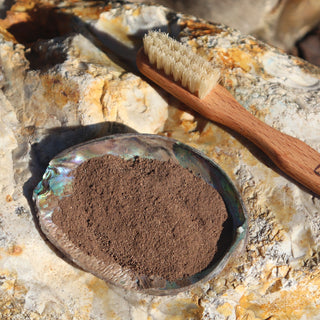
154,217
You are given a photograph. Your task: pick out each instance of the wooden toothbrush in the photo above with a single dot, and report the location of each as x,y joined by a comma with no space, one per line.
172,66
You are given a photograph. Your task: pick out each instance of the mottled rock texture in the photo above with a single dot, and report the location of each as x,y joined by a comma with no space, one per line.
278,22
61,84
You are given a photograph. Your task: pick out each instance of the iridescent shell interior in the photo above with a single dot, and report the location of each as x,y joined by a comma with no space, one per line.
57,183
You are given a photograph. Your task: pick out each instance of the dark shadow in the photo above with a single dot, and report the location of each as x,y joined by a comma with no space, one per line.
307,48
42,22
46,22
127,53
226,239
57,140
40,61
5,5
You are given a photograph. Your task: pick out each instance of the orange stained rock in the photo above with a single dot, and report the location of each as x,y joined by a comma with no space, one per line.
15,250
136,12
8,198
13,18
259,113
6,35
89,11
188,125
199,28
24,5
29,21
99,287
238,58
142,302
101,291
283,208
284,304
155,305
243,314
59,90
18,12
115,27
225,309
181,309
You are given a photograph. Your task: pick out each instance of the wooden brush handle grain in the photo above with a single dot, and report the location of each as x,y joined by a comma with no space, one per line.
291,155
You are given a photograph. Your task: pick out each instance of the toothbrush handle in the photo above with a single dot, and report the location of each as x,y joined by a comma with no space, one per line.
292,156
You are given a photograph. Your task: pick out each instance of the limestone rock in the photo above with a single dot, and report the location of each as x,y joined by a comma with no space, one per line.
67,87
280,23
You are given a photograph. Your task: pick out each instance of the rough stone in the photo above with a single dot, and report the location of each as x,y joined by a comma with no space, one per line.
47,105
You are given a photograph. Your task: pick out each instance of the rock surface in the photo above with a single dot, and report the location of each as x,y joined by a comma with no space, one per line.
63,85
280,23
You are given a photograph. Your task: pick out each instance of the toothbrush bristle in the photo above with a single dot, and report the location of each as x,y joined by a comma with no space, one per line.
176,59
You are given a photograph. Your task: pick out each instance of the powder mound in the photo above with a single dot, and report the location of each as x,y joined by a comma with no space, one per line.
152,216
